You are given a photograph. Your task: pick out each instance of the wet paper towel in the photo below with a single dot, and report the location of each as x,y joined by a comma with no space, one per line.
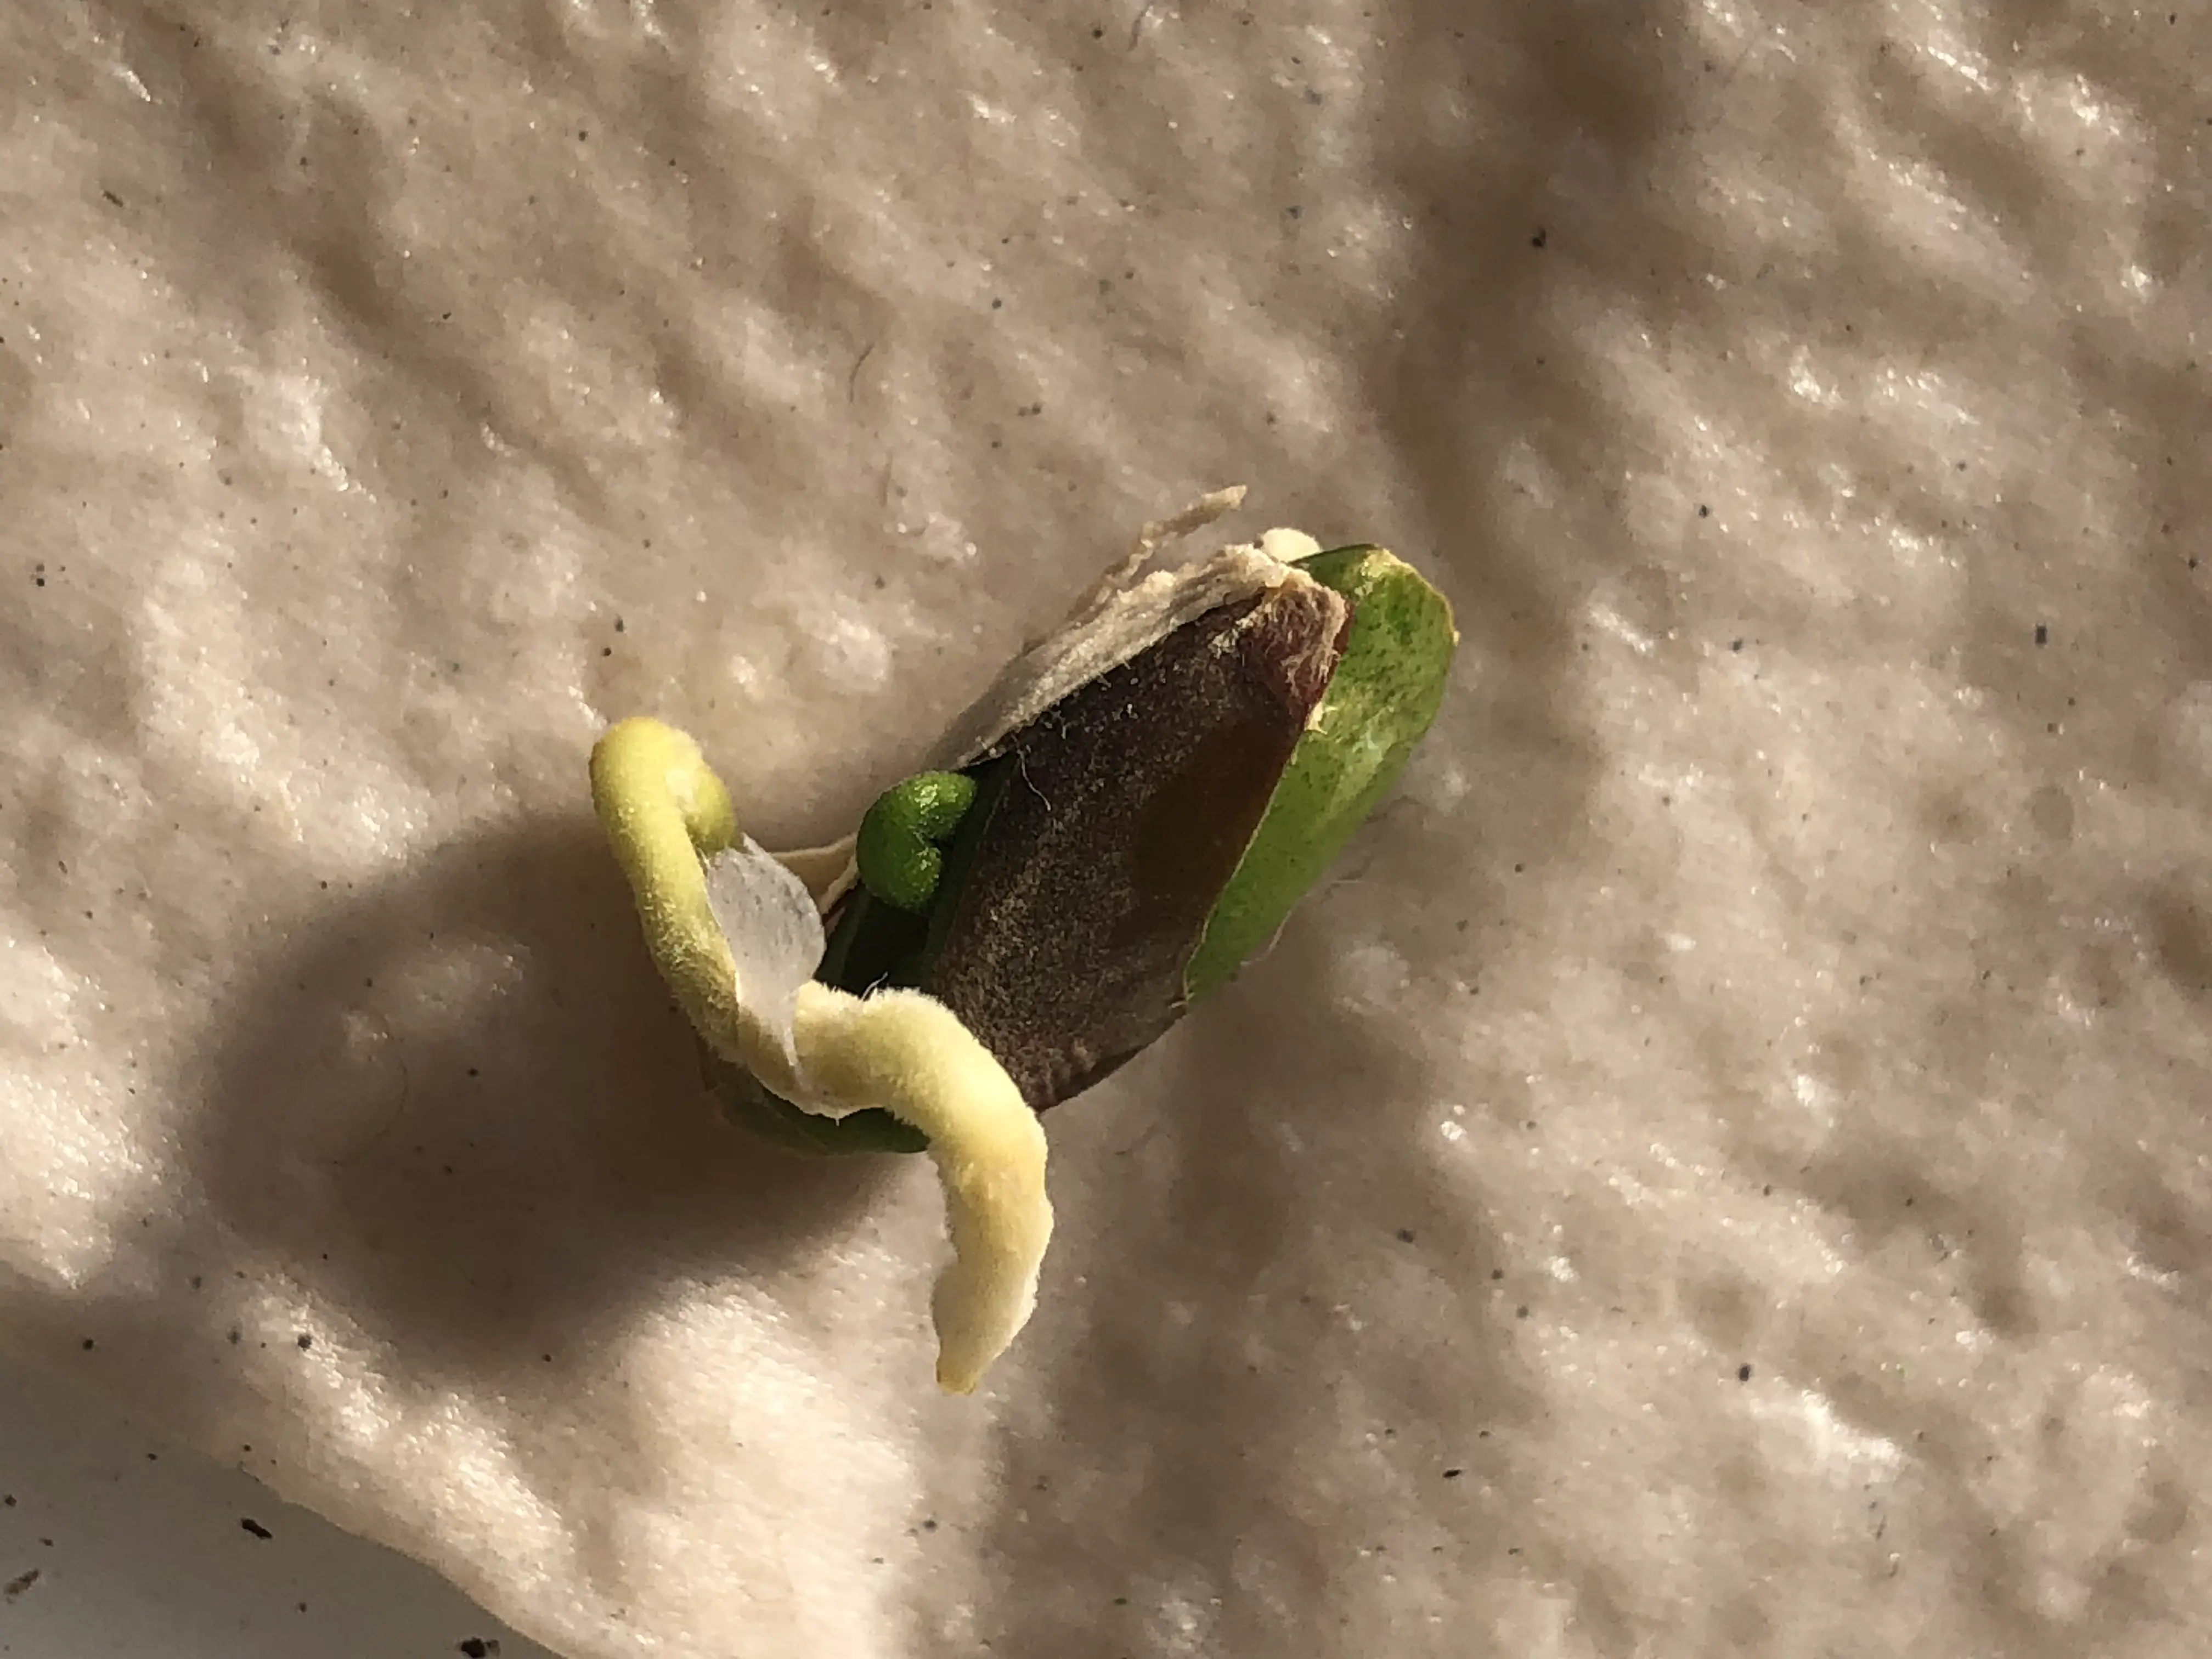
1724,1168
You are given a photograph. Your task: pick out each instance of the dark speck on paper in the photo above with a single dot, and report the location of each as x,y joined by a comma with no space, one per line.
1542,237
248,1523
1404,1235
477,1647
2042,634
1453,1475
20,1582
1743,1373
306,1342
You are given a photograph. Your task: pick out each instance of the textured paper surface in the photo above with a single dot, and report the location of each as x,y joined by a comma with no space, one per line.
1726,1170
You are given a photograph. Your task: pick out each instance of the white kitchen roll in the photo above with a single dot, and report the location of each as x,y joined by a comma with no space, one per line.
1724,1168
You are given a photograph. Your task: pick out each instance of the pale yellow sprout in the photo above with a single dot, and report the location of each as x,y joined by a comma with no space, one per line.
737,935
910,1054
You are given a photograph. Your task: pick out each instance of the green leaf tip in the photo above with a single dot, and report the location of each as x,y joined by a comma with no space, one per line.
1381,701
899,841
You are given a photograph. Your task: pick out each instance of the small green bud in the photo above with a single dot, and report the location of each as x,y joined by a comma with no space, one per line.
897,848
